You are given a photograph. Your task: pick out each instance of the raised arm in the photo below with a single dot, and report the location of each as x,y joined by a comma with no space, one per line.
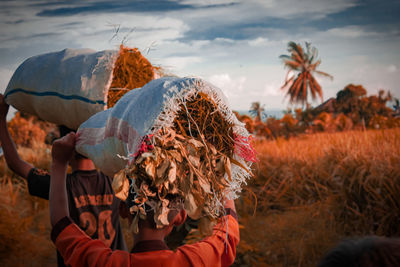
62,152
14,162
219,249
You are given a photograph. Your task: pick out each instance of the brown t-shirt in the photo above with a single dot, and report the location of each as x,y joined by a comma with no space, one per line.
91,201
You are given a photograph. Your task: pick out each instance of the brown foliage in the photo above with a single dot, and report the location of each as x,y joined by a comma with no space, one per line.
187,162
27,129
350,110
131,70
203,122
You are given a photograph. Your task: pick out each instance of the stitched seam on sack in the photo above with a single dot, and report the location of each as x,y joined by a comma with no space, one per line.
66,97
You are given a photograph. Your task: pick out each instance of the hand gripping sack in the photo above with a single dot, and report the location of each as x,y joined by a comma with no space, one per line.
69,86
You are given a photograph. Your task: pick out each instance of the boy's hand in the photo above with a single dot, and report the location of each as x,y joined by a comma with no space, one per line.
3,107
230,204
63,149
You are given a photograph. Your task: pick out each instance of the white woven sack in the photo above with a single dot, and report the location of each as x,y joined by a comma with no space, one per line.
112,137
65,87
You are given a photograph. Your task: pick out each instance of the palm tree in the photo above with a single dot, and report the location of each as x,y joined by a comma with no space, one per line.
396,107
305,64
257,110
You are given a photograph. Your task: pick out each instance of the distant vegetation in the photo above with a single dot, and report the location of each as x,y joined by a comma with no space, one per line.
351,109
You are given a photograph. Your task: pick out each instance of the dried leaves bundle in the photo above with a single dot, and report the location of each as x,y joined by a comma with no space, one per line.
131,70
189,165
200,118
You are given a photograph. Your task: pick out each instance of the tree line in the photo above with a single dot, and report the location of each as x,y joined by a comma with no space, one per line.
350,109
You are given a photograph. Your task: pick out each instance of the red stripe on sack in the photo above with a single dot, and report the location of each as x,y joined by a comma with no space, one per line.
115,128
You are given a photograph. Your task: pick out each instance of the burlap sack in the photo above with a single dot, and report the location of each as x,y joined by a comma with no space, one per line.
69,86
112,137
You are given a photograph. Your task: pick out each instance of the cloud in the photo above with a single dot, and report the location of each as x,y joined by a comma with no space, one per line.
202,3
231,87
263,42
392,68
350,32
272,89
224,40
94,31
5,76
75,8
290,9
178,64
236,44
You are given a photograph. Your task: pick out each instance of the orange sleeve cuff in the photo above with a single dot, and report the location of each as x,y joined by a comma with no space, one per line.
59,227
229,211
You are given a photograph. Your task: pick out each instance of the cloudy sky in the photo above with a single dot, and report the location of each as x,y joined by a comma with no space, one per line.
234,44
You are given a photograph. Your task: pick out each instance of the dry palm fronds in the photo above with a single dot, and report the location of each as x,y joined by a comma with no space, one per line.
189,165
131,70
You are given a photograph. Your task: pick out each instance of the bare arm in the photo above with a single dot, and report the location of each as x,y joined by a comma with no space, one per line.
61,153
14,162
230,204
219,249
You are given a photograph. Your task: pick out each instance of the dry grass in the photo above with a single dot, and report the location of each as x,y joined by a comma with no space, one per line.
311,192
24,228
132,70
295,237
25,223
314,190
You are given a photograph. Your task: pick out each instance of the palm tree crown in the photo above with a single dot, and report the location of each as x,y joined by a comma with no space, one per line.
305,64
257,110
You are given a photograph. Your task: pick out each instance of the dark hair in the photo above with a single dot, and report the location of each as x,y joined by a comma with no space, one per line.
64,130
364,252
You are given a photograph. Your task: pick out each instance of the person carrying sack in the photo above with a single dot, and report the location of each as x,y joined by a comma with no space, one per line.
149,249
92,204
174,149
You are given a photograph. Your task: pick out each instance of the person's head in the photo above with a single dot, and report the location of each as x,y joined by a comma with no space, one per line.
364,252
176,216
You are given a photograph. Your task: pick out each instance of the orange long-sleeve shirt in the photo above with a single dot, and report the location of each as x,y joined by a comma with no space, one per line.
78,249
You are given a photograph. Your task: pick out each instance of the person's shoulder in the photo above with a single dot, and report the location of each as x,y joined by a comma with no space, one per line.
34,172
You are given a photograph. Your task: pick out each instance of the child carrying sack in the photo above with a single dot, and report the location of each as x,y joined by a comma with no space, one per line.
69,86
176,139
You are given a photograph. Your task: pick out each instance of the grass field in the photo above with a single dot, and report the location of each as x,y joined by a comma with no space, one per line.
312,191
308,193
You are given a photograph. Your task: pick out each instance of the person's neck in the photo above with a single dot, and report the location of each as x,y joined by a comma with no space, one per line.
149,234
82,165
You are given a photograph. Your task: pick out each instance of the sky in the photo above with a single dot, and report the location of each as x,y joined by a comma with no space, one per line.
234,44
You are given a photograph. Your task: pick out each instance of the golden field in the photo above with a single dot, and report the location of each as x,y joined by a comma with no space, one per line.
312,191
308,193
